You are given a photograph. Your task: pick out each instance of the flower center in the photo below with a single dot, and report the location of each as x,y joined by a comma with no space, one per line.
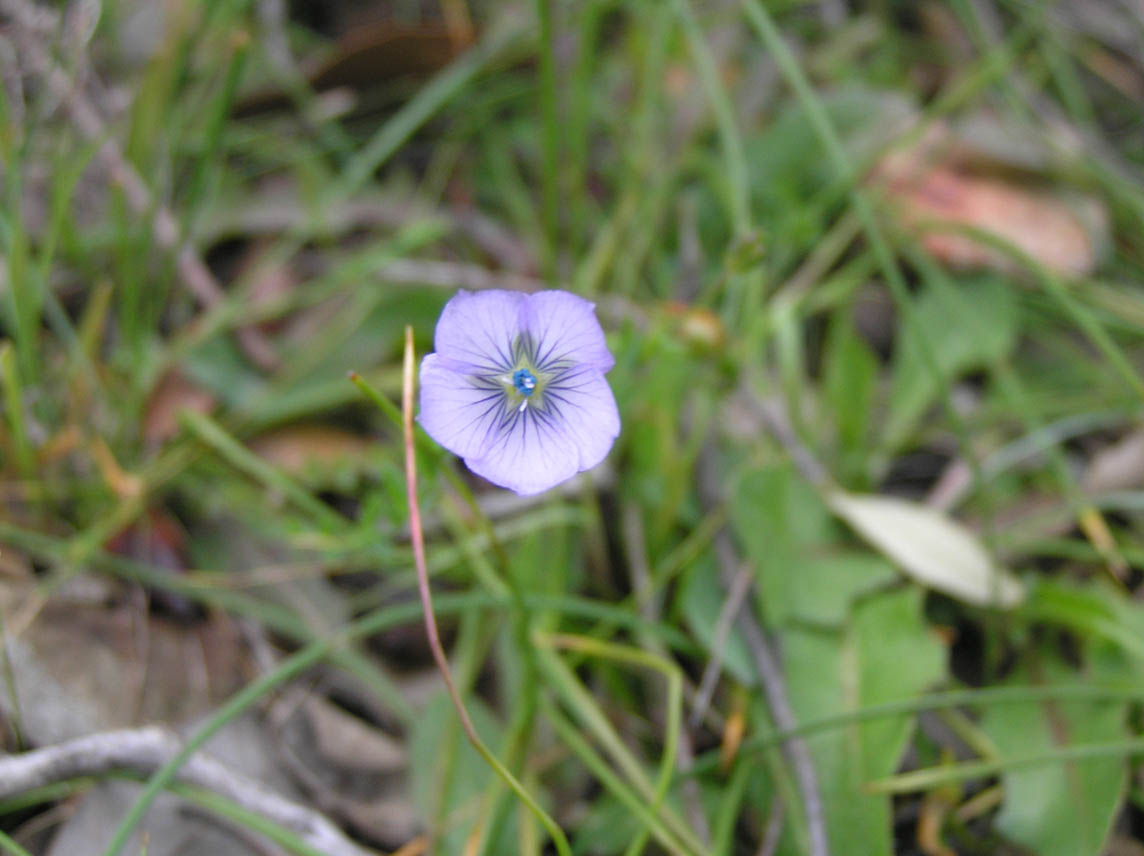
524,381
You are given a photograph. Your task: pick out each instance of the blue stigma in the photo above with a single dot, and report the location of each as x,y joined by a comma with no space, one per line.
524,381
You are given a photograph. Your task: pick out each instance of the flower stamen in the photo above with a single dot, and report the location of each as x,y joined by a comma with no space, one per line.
525,382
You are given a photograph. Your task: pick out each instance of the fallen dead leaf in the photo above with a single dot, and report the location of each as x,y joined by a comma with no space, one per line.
173,394
352,769
942,185
350,741
93,660
158,539
930,547
368,53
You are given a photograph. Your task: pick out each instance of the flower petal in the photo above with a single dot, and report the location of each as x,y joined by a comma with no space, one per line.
585,403
459,410
564,328
476,331
570,430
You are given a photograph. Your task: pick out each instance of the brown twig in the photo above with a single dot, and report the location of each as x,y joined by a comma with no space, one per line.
736,594
767,667
143,751
165,228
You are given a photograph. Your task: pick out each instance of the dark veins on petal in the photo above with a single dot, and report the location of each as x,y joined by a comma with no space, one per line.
537,408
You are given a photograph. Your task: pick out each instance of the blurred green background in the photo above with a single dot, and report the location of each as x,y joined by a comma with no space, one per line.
863,572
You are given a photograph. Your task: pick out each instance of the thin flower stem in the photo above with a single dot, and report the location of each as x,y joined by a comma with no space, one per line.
427,445
417,537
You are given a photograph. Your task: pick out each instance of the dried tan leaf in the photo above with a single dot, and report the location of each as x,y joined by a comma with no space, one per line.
348,741
93,660
930,547
354,770
173,394
933,190
369,53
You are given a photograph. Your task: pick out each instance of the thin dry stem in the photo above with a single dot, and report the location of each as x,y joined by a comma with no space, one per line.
418,538
767,664
736,594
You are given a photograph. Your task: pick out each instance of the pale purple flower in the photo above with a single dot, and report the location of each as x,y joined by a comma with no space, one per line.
516,387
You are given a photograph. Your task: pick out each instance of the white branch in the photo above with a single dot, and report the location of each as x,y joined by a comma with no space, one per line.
143,751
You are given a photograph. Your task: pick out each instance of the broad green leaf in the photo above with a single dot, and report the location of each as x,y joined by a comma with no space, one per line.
829,584
218,366
965,327
659,461
886,653
780,521
607,827
788,536
1062,809
930,547
783,178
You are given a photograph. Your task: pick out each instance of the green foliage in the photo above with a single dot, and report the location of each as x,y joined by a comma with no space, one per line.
804,574
720,198
968,325
1067,808
700,604
885,652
